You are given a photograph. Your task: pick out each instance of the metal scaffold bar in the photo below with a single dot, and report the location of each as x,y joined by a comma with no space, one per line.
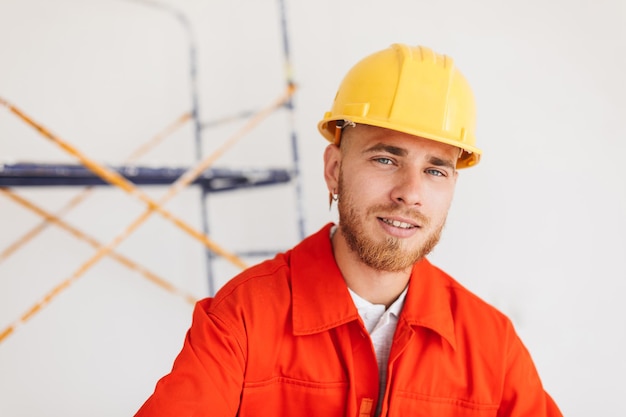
290,105
213,179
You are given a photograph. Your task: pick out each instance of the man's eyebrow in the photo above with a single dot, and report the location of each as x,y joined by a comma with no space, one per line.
394,150
441,162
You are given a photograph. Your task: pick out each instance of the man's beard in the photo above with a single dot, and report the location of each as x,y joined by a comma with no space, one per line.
387,255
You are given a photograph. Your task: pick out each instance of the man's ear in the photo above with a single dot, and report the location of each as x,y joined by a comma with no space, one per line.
332,162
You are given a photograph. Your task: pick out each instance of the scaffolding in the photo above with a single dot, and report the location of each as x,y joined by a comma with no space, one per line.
89,174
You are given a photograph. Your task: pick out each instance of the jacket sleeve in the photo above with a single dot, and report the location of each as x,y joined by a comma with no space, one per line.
523,393
207,375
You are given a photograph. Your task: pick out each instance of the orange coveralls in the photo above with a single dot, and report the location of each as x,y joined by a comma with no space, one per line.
285,339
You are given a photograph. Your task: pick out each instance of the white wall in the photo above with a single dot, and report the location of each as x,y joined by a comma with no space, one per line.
537,228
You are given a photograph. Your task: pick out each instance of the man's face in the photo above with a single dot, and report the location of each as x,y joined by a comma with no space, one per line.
394,193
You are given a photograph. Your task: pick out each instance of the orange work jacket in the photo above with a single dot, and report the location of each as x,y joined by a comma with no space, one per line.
285,339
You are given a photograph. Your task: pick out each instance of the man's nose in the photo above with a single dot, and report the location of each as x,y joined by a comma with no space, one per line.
408,187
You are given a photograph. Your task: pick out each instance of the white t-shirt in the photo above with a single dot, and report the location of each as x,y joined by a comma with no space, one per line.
381,325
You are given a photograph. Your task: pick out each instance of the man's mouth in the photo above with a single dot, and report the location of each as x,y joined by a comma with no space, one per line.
397,223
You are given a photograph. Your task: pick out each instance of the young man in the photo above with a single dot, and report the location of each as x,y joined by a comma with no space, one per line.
355,321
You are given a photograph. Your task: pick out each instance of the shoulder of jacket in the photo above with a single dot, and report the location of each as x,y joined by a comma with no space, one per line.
467,304
269,278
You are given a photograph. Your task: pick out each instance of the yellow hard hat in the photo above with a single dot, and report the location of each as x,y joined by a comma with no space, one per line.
410,89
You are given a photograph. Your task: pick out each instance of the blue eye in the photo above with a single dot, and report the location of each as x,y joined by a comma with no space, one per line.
384,161
435,172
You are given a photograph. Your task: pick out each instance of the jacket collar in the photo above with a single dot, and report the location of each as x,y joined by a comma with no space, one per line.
321,299
428,301
320,296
